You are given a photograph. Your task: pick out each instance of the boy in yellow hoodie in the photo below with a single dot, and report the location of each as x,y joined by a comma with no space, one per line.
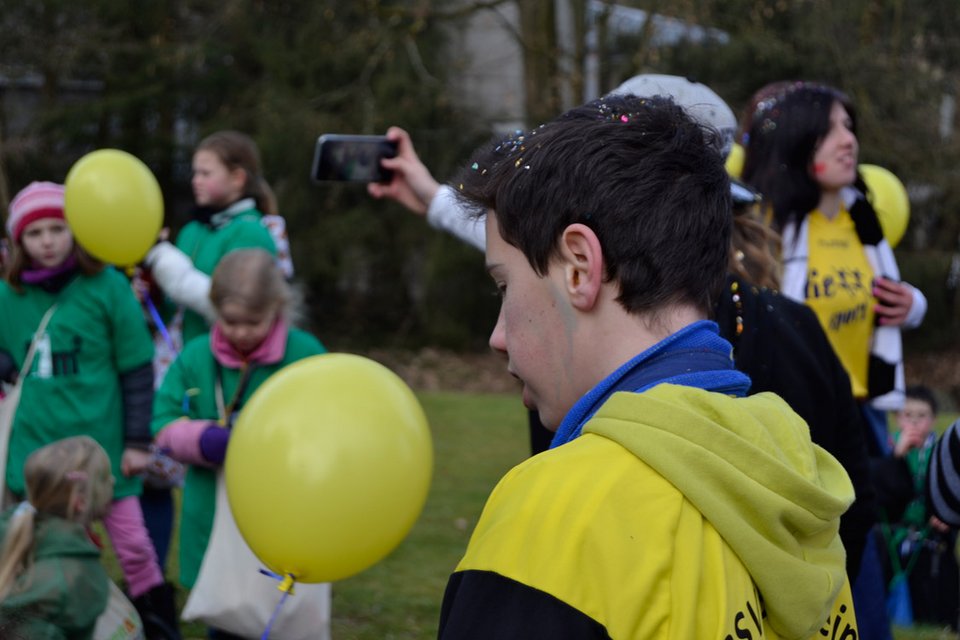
669,505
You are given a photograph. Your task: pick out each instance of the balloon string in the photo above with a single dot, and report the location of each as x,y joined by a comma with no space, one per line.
158,322
286,586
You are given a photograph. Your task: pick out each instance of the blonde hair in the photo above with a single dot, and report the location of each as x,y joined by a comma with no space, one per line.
755,248
238,151
252,278
68,479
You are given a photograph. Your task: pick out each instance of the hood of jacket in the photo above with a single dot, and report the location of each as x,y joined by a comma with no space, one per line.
748,465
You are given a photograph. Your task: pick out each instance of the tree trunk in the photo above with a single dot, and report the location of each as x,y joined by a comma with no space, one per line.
538,34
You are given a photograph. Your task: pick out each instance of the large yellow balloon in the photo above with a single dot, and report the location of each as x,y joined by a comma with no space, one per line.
889,199
734,163
113,205
328,467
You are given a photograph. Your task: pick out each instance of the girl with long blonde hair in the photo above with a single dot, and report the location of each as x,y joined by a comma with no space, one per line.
52,583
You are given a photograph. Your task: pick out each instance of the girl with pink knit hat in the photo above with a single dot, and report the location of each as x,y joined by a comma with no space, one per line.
89,373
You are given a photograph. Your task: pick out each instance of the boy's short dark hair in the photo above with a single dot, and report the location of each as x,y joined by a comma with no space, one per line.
923,394
642,174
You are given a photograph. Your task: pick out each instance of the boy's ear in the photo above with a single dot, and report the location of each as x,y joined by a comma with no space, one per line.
582,261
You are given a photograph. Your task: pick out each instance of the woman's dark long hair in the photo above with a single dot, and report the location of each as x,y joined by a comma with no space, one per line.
784,132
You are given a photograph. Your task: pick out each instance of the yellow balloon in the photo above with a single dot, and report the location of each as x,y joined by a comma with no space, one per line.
734,161
889,199
328,467
113,205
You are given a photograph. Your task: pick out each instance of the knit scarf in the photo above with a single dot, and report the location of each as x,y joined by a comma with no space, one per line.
51,279
695,356
270,351
219,218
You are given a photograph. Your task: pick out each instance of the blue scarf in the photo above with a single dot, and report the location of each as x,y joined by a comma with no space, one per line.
695,356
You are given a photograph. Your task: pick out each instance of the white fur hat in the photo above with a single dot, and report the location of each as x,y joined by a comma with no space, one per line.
699,100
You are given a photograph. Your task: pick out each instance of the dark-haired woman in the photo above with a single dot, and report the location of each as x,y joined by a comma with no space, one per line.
801,154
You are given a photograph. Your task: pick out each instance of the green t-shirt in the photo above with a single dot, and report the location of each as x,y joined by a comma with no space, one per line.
97,332
206,246
188,391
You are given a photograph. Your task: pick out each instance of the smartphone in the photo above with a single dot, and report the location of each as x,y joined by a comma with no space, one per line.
348,158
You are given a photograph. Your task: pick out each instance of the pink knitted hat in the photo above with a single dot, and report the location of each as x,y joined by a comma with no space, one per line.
38,200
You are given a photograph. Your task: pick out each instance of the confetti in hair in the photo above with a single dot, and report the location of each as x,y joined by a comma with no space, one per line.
606,112
511,144
768,109
513,148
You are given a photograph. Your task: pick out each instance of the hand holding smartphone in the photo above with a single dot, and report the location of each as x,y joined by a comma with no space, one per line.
352,158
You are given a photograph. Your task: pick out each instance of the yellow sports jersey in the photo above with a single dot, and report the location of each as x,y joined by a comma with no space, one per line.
839,290
679,513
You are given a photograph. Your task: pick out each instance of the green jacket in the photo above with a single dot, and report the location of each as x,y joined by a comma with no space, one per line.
207,244
65,590
188,391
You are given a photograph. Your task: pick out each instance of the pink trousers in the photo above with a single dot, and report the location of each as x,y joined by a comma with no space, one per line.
128,535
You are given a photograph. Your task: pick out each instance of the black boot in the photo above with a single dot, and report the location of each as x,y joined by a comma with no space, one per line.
159,613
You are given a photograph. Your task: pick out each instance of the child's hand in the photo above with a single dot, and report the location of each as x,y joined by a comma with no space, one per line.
910,438
134,461
139,284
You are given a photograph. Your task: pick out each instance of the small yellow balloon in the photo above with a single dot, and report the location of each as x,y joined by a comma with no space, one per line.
734,163
889,199
328,467
113,205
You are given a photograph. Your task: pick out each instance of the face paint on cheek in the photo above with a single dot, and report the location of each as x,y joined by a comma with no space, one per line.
819,167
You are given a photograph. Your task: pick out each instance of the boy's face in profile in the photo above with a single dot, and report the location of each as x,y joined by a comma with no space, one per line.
534,329
915,417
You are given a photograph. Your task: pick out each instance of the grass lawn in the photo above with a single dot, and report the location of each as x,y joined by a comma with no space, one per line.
476,437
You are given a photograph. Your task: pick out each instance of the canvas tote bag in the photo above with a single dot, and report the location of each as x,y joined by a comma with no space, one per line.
120,620
8,405
232,595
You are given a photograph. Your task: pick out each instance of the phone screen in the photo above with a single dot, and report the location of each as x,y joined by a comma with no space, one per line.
352,158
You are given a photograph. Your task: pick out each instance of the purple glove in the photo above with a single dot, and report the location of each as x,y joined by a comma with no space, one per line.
213,444
181,441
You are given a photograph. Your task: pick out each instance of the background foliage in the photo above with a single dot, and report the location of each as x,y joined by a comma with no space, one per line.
153,77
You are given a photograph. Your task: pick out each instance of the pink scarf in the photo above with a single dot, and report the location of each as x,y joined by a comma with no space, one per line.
270,351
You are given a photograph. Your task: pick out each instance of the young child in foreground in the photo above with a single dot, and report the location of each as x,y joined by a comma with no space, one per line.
52,583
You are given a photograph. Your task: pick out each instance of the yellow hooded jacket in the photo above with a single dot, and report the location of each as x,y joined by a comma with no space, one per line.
679,513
